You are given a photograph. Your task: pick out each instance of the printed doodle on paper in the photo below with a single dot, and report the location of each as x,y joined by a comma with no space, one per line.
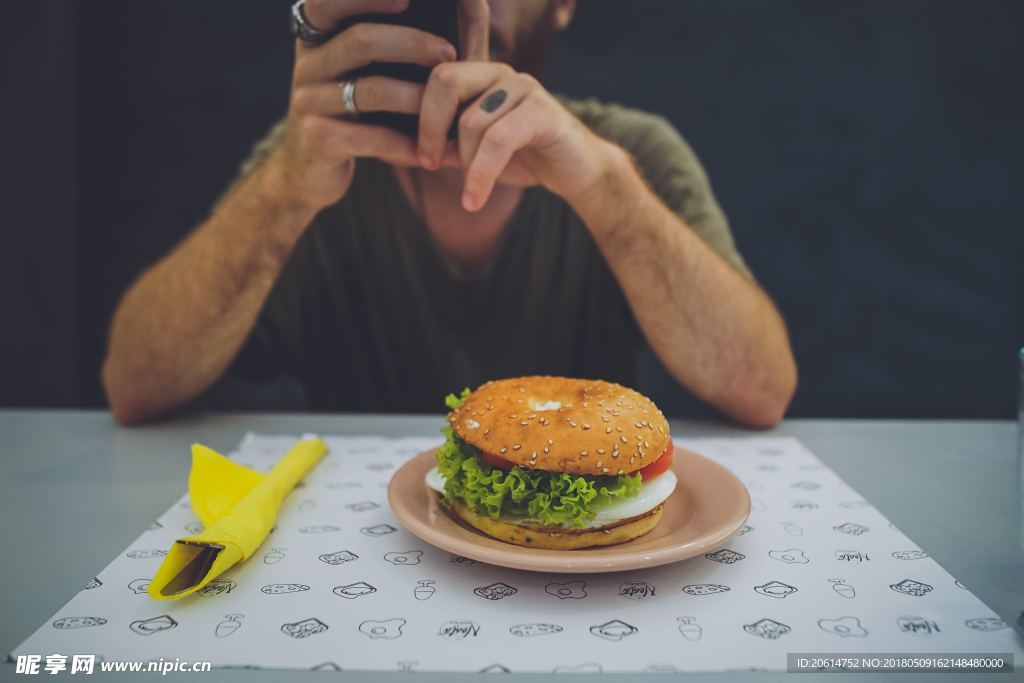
336,588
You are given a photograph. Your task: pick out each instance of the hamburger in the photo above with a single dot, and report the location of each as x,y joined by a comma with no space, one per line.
555,462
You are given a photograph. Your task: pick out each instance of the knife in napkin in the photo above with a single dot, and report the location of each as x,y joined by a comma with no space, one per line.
237,506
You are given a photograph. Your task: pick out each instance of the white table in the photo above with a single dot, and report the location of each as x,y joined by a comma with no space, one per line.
76,488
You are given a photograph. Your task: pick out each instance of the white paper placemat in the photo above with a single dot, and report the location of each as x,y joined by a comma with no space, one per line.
339,584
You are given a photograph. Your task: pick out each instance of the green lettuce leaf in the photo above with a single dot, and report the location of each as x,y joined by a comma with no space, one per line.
453,401
548,498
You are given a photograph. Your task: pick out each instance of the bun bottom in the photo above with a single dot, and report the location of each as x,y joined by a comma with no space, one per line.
557,538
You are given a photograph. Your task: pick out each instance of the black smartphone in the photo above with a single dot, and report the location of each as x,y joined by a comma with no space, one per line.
439,17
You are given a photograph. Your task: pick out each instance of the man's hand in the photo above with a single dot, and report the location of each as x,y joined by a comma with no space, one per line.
315,160
513,131
179,326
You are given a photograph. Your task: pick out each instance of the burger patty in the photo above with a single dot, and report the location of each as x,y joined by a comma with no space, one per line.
570,531
558,538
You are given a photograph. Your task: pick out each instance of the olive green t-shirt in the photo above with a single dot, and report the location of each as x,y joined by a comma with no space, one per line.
369,314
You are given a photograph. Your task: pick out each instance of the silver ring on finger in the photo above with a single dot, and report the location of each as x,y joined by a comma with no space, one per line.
348,95
301,28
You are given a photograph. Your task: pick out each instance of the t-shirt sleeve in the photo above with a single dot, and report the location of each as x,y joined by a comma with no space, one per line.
670,167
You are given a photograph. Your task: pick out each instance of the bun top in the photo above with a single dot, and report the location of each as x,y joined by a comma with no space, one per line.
559,424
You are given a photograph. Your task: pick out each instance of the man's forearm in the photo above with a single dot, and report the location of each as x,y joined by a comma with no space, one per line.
180,325
715,330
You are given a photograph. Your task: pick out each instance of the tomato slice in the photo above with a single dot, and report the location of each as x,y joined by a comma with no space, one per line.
496,461
661,465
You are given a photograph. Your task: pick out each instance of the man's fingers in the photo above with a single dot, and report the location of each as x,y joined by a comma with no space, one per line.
363,43
448,86
324,15
376,141
379,93
500,142
342,140
500,99
474,30
372,93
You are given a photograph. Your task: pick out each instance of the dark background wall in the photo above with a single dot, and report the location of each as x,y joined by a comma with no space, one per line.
870,156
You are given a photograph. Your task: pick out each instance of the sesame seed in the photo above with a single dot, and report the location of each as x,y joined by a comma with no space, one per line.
615,454
601,451
523,422
572,422
513,416
620,471
599,463
516,447
646,445
605,470
546,449
503,449
638,425
607,430
534,456
624,439
551,442
586,426
605,418
618,429
605,531
487,431
583,453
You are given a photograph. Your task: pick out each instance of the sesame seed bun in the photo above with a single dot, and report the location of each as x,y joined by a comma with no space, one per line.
558,538
559,424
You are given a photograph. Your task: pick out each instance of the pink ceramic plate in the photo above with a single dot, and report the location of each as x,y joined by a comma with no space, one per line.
708,506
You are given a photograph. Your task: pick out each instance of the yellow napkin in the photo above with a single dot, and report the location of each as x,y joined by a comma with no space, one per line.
237,506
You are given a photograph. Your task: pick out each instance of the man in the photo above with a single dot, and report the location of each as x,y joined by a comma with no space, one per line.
383,271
